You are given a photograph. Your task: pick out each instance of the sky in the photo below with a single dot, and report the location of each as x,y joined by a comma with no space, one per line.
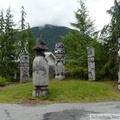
61,13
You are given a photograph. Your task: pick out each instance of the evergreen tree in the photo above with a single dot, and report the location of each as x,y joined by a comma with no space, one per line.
76,42
9,46
109,35
13,42
26,39
1,42
1,23
83,22
23,43
31,42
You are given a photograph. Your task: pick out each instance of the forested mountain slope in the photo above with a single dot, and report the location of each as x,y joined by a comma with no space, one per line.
51,34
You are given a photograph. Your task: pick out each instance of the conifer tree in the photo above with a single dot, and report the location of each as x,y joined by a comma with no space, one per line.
23,42
109,35
1,42
76,42
9,46
31,42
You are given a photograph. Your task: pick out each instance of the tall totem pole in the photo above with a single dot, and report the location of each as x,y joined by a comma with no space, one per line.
24,67
59,61
40,70
118,40
24,56
91,64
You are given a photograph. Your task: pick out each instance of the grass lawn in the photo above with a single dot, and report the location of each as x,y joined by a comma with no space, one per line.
62,91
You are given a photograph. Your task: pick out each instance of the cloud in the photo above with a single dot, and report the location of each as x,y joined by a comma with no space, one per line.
98,10
51,12
40,12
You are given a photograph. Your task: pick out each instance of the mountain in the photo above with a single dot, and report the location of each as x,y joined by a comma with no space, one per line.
51,34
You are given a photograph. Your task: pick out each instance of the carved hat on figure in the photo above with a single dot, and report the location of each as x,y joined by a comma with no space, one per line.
40,46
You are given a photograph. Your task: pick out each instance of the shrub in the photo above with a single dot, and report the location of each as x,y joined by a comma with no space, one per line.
2,81
76,71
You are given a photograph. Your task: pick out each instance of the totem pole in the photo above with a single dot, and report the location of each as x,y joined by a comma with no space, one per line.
118,40
91,64
40,70
24,67
59,61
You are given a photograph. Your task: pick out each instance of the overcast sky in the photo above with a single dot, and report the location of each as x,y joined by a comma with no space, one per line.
61,13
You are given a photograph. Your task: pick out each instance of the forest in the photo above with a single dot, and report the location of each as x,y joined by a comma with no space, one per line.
14,41
104,43
51,34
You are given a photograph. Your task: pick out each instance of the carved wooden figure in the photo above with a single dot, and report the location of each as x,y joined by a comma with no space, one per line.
59,61
40,70
118,40
24,67
91,64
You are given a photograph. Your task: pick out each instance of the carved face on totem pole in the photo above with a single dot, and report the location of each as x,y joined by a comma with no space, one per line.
59,53
24,67
91,64
60,61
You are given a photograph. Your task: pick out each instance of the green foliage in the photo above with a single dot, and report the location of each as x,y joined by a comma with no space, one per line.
31,42
26,39
1,23
109,35
76,43
23,41
8,47
83,21
2,81
12,42
76,71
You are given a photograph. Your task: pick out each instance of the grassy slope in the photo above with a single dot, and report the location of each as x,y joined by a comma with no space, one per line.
63,91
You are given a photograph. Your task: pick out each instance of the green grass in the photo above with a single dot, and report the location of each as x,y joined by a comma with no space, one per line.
62,91
16,92
81,91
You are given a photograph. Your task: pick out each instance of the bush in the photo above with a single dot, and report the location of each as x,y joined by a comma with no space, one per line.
76,71
2,81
